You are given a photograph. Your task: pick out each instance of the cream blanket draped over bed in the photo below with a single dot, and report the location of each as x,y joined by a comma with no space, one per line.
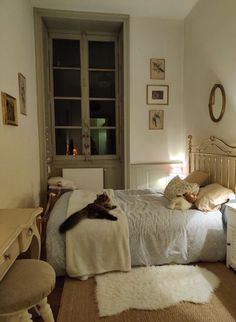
96,246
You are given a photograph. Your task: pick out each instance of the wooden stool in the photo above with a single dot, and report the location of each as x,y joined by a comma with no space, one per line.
26,284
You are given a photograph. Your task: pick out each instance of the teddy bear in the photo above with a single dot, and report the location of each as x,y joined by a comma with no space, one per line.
183,202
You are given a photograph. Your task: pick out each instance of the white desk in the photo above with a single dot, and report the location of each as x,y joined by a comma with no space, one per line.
18,232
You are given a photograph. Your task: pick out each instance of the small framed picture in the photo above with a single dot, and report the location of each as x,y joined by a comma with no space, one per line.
158,94
157,68
156,120
22,93
9,110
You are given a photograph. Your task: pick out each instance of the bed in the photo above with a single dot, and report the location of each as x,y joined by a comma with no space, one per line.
157,235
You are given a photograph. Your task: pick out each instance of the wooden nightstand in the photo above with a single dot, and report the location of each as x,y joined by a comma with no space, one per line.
231,236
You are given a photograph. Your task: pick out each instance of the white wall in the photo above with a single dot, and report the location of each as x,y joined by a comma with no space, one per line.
210,57
19,162
149,38
155,38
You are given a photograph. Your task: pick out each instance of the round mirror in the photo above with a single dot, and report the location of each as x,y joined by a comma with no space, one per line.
217,102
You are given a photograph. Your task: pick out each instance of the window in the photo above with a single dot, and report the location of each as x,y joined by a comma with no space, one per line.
70,48
84,80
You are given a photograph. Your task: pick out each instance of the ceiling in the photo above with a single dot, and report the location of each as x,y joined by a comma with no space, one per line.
164,9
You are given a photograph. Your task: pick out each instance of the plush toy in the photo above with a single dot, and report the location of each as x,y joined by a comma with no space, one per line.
190,197
183,202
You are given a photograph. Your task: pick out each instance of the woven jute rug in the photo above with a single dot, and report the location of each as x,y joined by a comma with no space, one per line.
78,303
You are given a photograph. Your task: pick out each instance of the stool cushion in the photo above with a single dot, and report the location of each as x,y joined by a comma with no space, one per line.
26,283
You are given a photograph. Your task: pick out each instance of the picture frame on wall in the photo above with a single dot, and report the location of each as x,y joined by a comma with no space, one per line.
9,109
156,120
157,68
158,94
22,93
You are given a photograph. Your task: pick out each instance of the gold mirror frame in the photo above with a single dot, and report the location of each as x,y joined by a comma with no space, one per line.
212,102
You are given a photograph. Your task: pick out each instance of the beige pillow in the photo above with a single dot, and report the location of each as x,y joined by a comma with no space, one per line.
198,177
212,196
178,186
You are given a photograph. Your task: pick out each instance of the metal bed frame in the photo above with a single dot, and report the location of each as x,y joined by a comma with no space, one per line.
216,157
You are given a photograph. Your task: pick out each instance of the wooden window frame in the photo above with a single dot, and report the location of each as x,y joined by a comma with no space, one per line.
84,38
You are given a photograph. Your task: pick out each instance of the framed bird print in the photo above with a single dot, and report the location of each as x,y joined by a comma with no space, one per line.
158,94
156,120
157,68
9,109
22,93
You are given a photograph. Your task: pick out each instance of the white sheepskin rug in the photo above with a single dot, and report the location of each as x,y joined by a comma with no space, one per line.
155,287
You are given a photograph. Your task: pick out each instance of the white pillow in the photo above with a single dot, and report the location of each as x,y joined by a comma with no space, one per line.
60,181
213,196
178,186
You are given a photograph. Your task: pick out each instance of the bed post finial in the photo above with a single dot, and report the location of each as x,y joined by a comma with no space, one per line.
189,152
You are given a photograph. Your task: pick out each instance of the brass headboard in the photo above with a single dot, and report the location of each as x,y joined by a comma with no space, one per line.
216,157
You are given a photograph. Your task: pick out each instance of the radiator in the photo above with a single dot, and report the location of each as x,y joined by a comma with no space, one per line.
85,178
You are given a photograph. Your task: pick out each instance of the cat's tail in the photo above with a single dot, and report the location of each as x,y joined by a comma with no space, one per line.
70,222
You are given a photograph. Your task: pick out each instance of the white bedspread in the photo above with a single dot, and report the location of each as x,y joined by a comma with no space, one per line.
96,246
157,235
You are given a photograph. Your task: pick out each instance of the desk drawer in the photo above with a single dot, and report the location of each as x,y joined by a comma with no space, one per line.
231,216
26,236
9,257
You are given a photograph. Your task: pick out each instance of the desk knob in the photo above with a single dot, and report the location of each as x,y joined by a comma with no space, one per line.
7,256
30,232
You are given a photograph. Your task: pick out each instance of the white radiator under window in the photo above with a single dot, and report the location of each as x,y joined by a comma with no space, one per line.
85,178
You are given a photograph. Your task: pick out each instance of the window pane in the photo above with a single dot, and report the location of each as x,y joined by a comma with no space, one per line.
101,54
102,84
103,141
102,113
66,53
67,83
68,142
67,112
